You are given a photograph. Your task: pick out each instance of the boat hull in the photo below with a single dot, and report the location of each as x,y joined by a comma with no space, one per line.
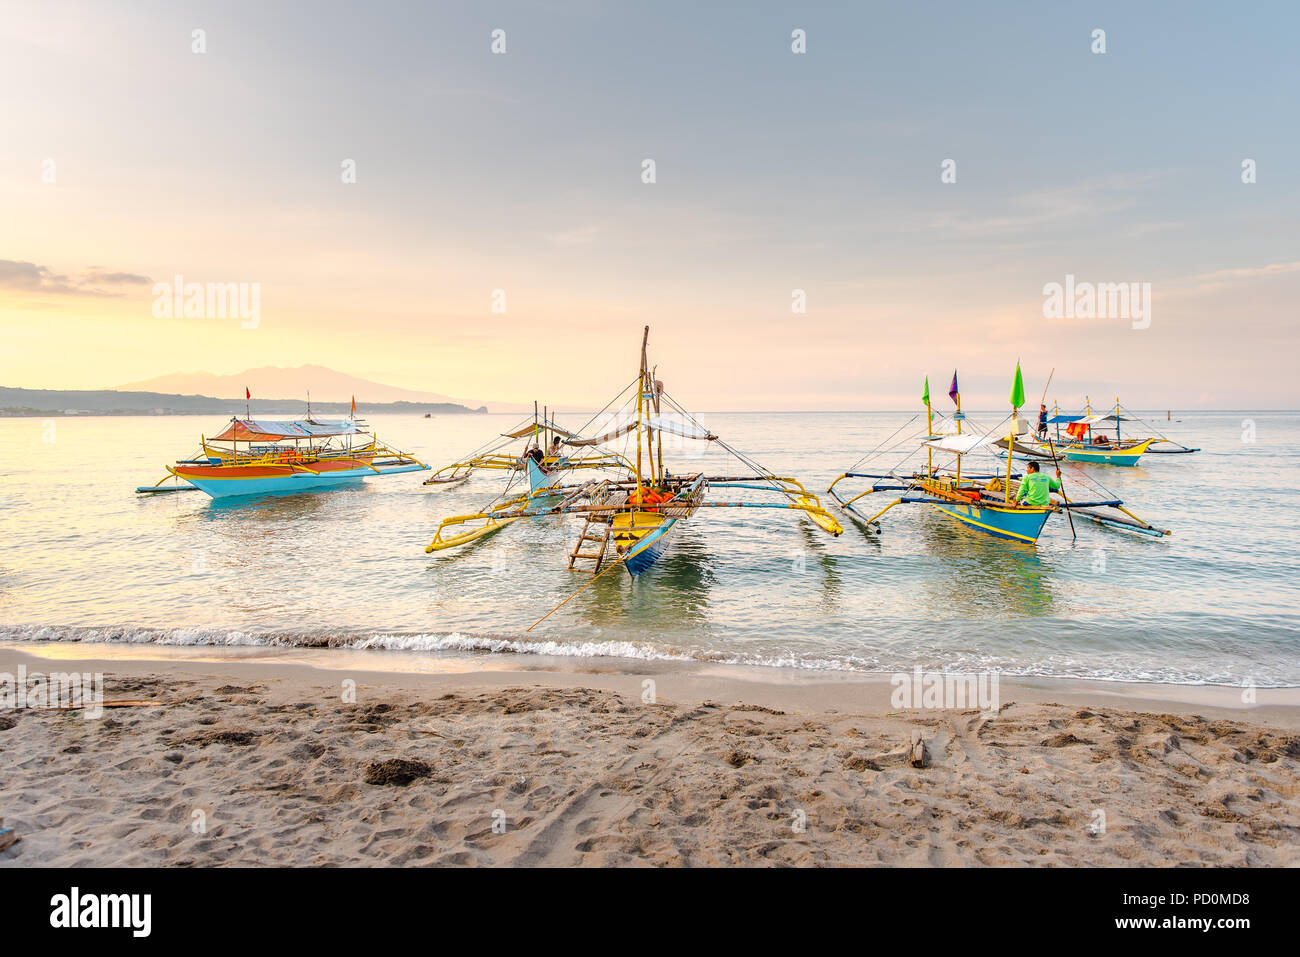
232,481
644,538
1082,453
1018,524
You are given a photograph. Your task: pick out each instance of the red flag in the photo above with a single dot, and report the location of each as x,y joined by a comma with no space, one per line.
247,394
354,405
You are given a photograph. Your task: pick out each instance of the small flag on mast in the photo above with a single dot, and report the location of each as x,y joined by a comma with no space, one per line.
953,393
925,396
1017,390
354,405
247,395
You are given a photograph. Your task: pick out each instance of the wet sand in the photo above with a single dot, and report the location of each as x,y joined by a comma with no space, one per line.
261,758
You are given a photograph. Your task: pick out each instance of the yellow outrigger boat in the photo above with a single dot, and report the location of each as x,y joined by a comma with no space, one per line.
543,433
634,511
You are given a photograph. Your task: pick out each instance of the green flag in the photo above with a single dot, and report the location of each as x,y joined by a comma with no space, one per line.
1018,390
925,396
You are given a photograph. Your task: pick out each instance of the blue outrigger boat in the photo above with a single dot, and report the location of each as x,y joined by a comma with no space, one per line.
983,502
283,456
635,511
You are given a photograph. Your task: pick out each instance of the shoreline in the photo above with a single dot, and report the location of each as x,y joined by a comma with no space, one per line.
1280,706
522,760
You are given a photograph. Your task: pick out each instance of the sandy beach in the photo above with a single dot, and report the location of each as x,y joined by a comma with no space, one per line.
260,758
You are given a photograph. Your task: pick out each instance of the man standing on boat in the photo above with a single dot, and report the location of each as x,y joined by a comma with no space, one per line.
1036,488
1042,422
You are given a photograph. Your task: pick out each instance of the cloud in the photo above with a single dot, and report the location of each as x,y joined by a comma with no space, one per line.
1052,207
1222,278
581,236
20,276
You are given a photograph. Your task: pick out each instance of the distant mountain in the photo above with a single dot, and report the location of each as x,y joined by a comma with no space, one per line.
273,382
110,402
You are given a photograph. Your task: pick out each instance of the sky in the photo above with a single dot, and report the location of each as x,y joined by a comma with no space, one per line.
127,158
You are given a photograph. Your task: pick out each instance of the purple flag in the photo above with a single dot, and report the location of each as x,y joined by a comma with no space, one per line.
953,393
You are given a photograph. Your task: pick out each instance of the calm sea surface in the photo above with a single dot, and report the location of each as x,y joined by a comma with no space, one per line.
85,559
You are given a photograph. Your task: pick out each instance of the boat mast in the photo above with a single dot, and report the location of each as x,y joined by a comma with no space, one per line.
1011,447
958,416
654,385
1017,395
929,424
640,410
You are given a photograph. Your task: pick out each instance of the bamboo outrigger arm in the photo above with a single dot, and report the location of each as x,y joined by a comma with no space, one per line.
838,479
505,514
157,489
807,504
493,521
1132,523
800,497
459,471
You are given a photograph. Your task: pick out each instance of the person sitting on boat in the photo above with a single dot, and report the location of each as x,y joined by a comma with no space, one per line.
535,453
1042,421
555,452
1100,440
1036,488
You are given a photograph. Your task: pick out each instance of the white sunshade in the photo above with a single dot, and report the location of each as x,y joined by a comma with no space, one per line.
660,423
960,444
607,437
677,427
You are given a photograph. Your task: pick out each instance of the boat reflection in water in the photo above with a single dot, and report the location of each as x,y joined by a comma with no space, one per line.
984,575
673,595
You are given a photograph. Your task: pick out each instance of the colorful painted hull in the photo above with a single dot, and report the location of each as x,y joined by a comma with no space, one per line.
1018,524
1084,453
649,538
233,480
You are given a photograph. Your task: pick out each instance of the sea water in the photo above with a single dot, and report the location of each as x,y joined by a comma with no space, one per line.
85,559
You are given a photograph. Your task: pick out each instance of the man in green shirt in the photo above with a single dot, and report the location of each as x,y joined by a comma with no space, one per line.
1036,488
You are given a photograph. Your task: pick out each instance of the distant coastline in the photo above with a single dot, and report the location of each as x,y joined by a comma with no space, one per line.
18,403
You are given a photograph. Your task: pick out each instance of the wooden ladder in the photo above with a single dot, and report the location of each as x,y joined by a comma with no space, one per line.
597,557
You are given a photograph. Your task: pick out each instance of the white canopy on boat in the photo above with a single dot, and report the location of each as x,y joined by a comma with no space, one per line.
533,427
267,430
960,444
675,426
661,423
607,437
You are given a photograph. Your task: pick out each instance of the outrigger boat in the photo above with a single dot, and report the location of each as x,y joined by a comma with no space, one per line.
283,456
1086,443
540,432
984,502
637,510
